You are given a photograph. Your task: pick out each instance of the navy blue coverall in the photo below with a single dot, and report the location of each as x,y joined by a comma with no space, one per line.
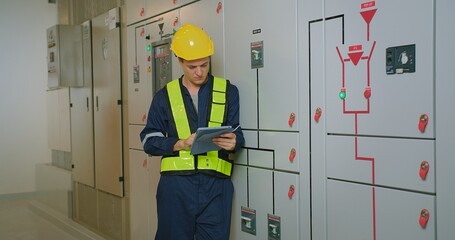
190,205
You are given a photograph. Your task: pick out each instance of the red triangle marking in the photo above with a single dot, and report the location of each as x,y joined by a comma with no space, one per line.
355,57
368,15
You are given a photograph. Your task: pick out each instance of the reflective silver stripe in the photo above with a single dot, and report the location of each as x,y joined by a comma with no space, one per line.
154,134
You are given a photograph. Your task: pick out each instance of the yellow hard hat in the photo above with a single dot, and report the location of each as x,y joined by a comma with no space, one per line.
190,43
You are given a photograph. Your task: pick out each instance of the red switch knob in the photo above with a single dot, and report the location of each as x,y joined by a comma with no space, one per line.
144,163
291,119
423,122
424,168
218,7
317,114
424,216
367,92
291,191
292,154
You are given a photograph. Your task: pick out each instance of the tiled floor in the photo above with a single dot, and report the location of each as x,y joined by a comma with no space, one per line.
17,221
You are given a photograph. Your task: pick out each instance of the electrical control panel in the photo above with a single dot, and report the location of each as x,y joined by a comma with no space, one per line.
401,59
338,95
257,54
162,63
64,56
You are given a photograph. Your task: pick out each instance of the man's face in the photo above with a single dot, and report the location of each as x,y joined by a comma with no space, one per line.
196,71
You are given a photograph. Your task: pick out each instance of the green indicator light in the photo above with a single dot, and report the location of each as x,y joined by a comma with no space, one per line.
148,48
342,95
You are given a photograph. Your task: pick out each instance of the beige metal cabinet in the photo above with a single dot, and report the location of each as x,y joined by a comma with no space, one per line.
107,103
58,114
82,117
64,56
140,10
135,11
144,176
138,82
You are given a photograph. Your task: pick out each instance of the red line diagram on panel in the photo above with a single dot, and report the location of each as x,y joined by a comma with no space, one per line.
356,54
368,14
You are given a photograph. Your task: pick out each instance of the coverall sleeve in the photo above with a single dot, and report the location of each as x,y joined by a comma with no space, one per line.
233,115
154,136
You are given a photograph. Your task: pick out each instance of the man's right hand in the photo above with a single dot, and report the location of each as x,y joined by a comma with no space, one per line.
184,144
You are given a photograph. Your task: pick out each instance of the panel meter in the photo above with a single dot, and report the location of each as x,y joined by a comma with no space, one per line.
249,220
162,63
400,59
274,227
64,61
257,54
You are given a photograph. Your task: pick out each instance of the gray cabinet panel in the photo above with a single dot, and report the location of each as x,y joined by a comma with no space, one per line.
349,211
396,101
260,158
286,149
238,37
398,215
251,137
318,130
278,76
382,161
240,157
286,195
260,194
211,21
445,132
360,212
240,199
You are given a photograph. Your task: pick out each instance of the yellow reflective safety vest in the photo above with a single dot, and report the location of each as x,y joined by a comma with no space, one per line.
210,162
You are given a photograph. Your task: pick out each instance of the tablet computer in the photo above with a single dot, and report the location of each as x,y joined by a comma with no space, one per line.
203,140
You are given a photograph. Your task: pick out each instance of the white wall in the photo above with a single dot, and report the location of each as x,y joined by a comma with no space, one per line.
23,84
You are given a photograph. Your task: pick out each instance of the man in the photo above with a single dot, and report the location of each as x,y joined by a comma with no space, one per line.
194,196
